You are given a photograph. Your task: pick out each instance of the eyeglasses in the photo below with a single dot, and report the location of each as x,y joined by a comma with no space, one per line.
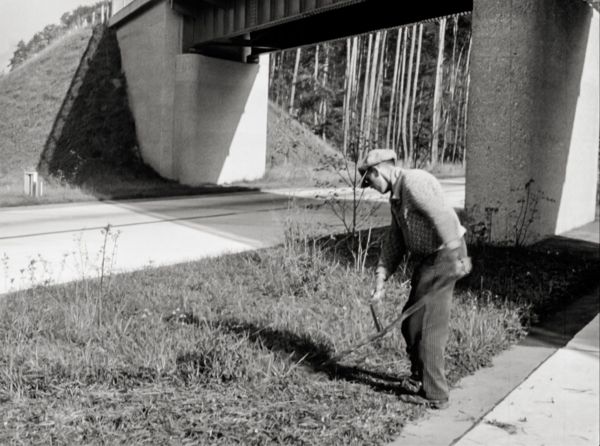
365,182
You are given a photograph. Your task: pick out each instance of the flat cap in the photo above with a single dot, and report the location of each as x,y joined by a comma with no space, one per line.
374,157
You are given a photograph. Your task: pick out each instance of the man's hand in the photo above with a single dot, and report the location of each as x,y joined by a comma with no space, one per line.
379,292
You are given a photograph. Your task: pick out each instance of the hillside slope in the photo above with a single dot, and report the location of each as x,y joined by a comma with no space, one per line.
30,98
295,155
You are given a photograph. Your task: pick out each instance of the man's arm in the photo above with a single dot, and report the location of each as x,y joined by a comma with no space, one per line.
392,250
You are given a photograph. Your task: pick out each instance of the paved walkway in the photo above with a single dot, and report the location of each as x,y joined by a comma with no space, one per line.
558,404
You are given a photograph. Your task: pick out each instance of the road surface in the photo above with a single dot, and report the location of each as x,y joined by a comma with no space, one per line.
58,243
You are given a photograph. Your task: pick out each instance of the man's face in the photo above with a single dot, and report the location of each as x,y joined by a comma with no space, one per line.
375,180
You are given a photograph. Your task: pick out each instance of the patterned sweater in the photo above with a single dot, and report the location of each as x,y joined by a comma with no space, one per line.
422,221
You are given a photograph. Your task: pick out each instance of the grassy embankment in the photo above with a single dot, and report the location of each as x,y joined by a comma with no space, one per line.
30,98
231,350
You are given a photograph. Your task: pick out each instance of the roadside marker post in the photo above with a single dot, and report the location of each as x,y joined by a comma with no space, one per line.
33,184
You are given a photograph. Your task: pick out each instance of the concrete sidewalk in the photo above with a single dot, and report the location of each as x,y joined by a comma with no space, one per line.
558,404
555,402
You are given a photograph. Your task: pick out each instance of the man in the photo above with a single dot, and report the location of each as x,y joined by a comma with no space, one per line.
423,223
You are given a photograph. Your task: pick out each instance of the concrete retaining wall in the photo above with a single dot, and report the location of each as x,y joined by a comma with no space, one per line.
149,45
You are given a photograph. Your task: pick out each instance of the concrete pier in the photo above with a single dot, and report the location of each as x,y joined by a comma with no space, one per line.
220,122
533,124
198,119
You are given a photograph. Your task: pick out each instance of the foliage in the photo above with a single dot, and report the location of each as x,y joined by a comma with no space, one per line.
29,103
82,15
321,86
354,212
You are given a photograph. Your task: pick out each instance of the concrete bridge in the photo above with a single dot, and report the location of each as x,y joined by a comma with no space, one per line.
197,72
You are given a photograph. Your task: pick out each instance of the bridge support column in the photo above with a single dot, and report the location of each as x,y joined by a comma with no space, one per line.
533,123
220,119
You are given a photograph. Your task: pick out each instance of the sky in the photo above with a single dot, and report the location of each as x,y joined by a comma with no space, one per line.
21,19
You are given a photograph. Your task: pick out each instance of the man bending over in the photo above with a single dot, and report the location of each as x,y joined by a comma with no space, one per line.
423,223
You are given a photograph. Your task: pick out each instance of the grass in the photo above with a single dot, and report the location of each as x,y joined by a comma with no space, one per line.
231,350
30,98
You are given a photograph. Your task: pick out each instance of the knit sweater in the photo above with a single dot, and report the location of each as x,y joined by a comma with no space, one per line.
422,221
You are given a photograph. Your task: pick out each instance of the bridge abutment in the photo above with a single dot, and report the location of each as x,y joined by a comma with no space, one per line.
198,119
149,44
220,119
532,157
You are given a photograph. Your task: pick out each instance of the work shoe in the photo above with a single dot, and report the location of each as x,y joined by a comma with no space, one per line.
413,385
422,401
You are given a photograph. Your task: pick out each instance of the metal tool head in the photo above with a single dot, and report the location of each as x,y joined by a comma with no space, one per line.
378,326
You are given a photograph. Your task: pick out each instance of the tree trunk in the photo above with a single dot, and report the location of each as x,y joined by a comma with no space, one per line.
351,85
409,154
451,106
346,104
272,64
325,78
414,91
458,103
372,88
437,94
363,109
316,83
294,80
388,135
280,74
379,86
466,102
398,122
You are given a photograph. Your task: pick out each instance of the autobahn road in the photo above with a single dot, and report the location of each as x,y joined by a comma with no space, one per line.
52,244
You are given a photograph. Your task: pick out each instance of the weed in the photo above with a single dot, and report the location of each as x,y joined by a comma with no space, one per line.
107,255
520,220
527,213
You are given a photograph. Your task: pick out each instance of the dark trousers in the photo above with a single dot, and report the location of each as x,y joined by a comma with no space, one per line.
426,331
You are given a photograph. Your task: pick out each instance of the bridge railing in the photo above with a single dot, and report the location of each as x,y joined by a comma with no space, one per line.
117,5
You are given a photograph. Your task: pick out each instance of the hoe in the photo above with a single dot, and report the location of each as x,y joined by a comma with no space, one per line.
460,268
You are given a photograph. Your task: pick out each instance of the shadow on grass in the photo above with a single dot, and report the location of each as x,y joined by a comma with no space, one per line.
315,356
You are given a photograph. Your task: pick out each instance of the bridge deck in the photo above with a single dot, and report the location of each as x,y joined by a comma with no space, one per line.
221,27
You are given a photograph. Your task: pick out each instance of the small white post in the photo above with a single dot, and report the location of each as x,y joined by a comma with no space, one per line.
32,184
